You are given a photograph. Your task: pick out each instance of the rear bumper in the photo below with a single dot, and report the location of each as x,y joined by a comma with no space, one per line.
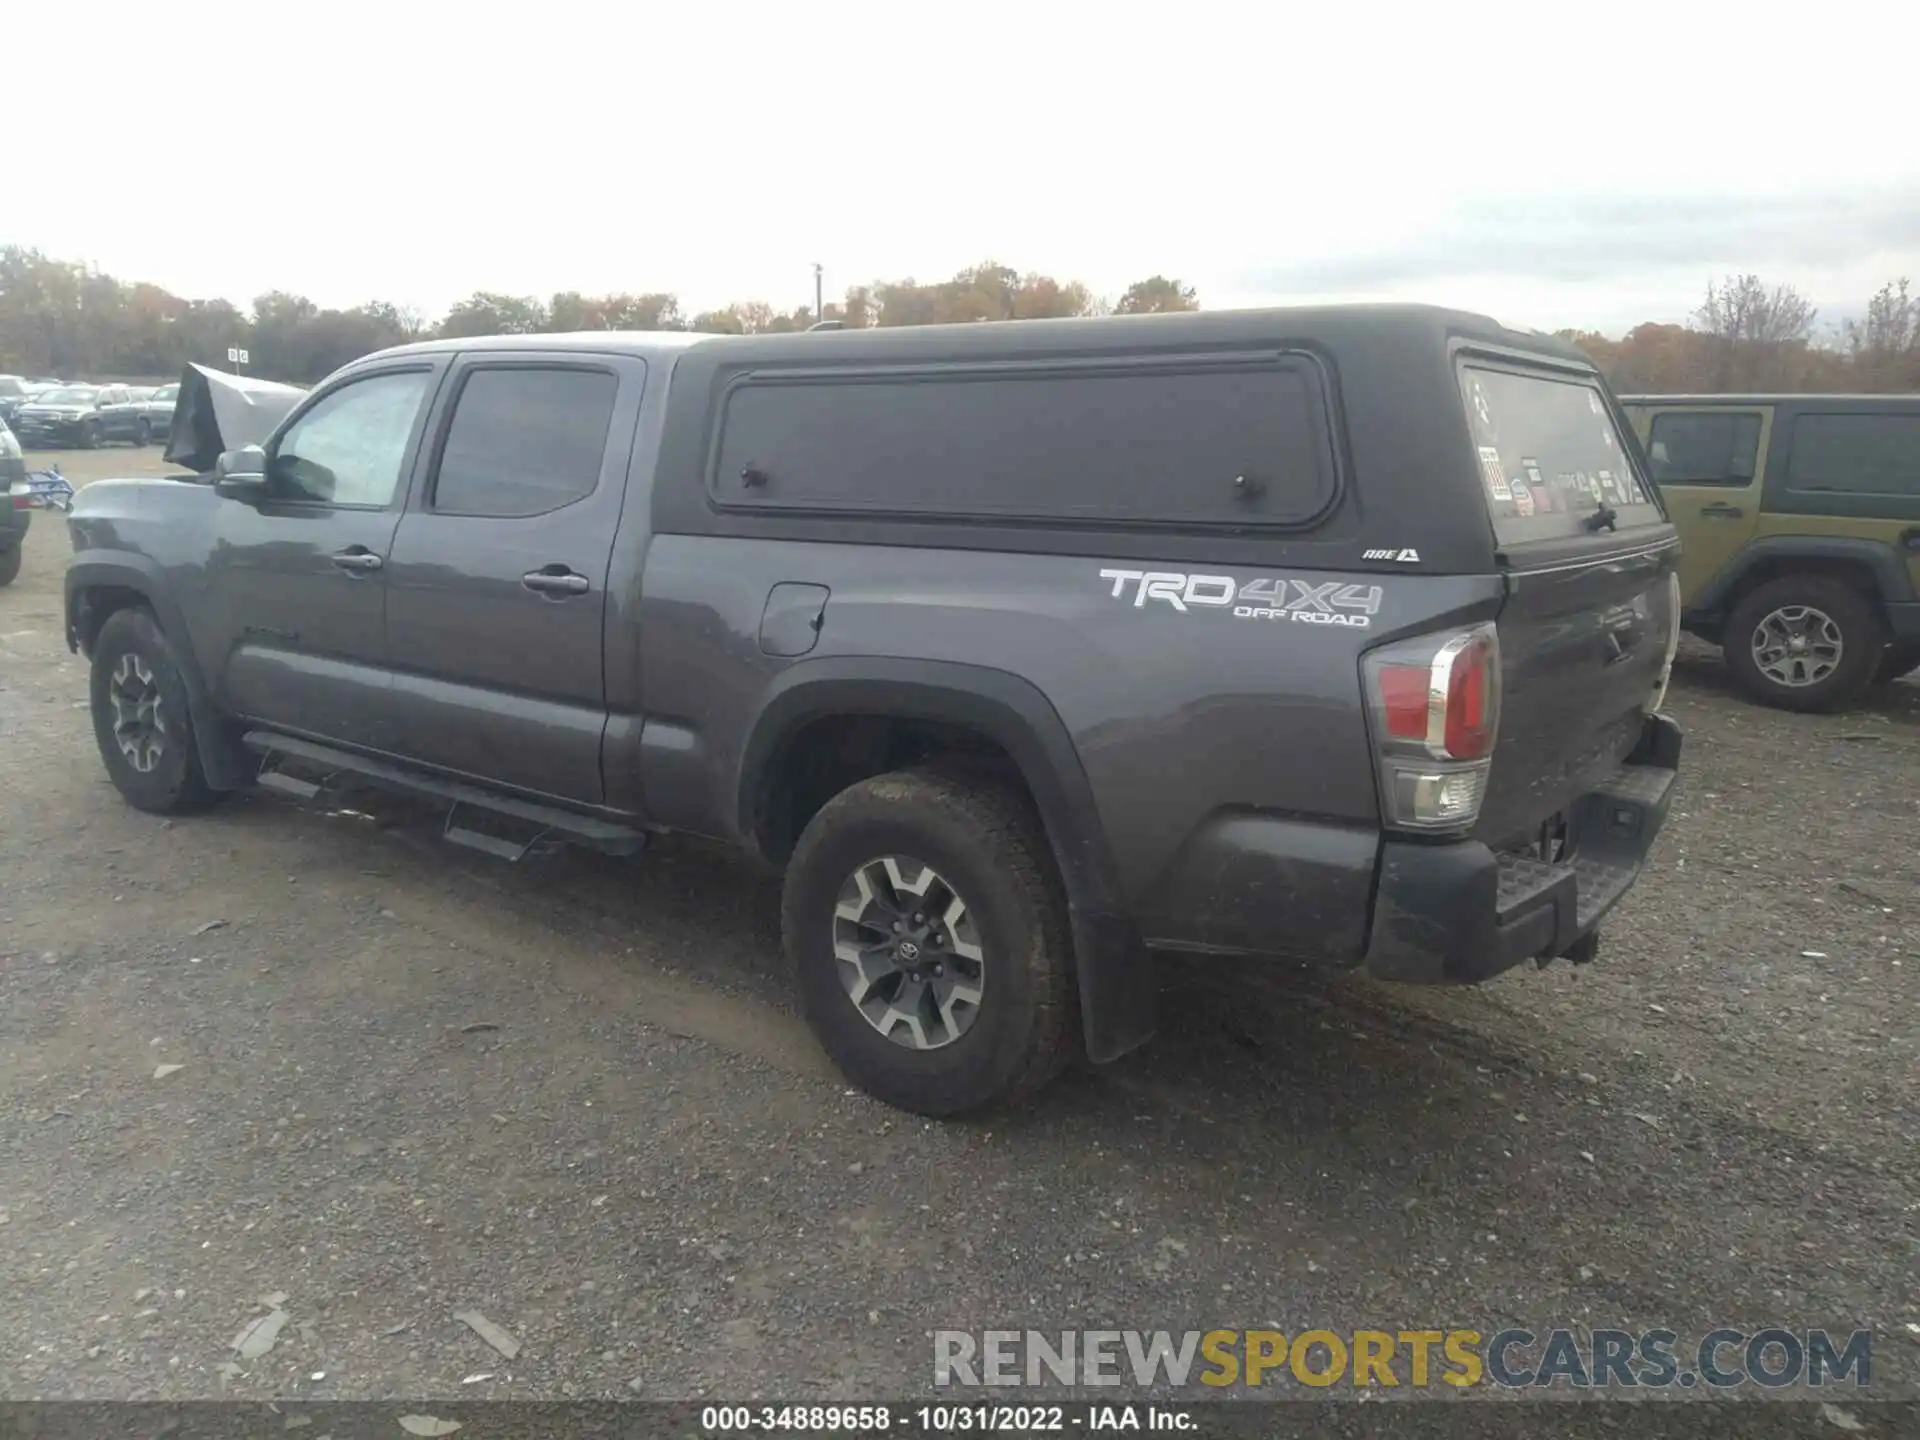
1459,913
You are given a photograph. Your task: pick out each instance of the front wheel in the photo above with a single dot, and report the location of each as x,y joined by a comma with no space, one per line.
90,435
1804,642
143,433
930,942
141,721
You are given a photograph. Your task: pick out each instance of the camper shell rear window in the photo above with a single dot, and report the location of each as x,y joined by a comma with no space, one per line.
1548,454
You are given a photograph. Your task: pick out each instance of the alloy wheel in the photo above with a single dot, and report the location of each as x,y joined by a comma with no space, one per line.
909,952
139,718
1797,646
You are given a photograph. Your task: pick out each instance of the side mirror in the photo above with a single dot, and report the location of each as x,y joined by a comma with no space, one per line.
241,474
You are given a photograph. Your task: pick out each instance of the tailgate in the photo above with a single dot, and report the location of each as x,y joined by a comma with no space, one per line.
1587,629
1583,653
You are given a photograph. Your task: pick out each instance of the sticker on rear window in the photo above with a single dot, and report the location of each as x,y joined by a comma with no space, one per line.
1541,493
1496,477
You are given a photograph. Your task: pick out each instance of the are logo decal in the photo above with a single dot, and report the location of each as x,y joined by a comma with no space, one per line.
1405,557
1304,602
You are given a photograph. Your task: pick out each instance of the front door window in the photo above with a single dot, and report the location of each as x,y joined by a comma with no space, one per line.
348,449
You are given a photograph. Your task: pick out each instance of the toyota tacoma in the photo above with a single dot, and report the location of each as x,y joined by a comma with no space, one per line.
1332,636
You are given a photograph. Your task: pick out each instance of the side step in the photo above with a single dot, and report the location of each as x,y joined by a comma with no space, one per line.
547,822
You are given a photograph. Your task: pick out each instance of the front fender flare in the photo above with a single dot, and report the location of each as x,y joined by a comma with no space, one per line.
1117,981
225,765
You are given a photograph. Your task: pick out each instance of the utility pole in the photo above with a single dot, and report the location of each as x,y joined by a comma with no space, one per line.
819,292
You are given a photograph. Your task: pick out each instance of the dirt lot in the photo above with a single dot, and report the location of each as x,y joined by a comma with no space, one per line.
572,1096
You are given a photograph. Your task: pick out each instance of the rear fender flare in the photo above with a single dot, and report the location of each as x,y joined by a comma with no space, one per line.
1115,975
1882,561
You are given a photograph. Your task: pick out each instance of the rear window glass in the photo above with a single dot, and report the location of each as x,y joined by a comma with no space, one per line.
1220,443
1703,447
1856,454
1548,455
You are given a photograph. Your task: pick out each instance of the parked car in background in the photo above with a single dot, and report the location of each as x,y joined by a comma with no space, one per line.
15,391
69,415
18,512
144,416
1799,518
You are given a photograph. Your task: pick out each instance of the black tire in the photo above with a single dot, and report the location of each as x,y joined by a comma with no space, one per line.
1852,613
143,433
90,435
10,564
174,783
986,842
1896,660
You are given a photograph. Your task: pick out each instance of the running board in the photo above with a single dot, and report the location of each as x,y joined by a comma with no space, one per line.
547,822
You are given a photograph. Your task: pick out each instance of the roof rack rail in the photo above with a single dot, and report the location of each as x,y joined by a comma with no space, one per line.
826,325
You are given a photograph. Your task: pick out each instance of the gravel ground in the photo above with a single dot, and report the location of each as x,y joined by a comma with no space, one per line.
572,1096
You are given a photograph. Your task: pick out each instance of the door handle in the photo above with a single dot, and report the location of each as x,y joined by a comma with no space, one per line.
358,560
556,581
1720,510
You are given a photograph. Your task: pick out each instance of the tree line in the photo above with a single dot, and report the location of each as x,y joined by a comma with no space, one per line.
1748,335
72,321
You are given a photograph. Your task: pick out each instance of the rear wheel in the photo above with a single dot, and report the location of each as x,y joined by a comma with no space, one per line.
1804,642
10,564
143,433
930,942
140,718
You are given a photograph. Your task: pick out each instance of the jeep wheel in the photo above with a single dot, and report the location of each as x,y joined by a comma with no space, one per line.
10,564
143,433
1803,642
90,435
930,942
140,718
1895,661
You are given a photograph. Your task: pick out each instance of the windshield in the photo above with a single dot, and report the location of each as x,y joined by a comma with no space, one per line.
165,392
1549,455
139,392
66,395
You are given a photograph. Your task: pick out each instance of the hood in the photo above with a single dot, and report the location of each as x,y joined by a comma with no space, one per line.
216,411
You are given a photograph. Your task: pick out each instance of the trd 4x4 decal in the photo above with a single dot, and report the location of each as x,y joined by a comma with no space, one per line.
1309,602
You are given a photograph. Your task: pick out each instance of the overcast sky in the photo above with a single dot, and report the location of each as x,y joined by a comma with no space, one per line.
1565,165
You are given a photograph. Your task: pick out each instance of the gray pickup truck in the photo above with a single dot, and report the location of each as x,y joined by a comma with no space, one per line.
1332,636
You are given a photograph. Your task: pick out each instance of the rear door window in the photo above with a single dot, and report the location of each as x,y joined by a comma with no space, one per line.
1704,447
1548,455
1239,441
524,441
1855,454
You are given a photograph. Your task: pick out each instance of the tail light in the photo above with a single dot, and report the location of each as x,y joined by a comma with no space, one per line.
1673,642
1435,708
22,494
